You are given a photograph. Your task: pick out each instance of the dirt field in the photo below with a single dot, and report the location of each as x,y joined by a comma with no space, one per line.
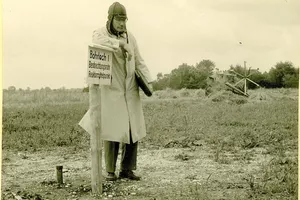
166,174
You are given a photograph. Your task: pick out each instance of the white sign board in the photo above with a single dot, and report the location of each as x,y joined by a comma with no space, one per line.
99,65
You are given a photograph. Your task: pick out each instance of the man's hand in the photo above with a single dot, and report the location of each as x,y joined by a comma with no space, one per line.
125,47
128,50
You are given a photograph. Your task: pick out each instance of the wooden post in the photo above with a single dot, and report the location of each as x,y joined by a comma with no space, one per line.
97,56
245,86
59,174
96,143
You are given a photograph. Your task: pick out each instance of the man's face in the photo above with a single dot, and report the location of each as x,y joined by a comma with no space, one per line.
119,23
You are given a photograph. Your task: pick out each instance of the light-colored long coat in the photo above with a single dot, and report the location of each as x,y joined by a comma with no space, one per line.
121,106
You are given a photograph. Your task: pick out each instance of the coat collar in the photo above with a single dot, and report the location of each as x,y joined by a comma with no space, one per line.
123,35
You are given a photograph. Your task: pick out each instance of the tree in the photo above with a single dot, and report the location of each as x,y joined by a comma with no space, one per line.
47,89
291,81
260,78
204,69
162,83
159,76
238,68
284,74
179,77
185,76
12,88
198,79
206,66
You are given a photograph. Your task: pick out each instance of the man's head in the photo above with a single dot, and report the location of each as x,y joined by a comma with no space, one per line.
117,18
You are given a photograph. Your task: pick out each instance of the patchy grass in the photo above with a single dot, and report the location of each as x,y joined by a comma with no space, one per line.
219,147
43,126
243,126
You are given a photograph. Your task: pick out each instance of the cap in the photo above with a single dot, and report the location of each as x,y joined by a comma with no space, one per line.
118,10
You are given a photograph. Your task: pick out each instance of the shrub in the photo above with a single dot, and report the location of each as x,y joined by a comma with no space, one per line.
184,92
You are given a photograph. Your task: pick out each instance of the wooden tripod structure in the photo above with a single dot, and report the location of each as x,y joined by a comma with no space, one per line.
243,80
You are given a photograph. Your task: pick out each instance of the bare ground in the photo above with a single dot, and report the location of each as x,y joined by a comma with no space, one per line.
197,172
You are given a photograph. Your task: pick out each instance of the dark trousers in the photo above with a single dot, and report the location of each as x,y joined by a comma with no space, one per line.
128,156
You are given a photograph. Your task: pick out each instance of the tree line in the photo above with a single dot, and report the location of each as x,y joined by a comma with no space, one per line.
282,75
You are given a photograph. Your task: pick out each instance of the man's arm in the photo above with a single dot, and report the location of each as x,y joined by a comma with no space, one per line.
101,37
140,63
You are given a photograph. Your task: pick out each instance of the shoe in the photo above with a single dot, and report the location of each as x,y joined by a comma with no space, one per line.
110,176
129,174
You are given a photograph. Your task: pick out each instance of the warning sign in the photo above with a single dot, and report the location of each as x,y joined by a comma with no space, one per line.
99,65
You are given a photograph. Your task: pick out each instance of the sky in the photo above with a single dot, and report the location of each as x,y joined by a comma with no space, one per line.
45,41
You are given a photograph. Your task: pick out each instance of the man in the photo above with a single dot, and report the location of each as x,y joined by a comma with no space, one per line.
121,108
